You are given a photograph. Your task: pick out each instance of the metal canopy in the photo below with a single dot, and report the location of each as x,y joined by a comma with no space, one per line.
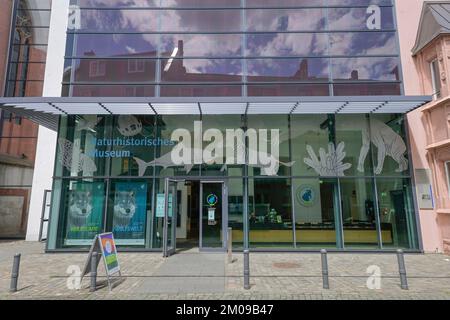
46,110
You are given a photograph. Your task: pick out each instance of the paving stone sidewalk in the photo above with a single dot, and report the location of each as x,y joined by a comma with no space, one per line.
194,276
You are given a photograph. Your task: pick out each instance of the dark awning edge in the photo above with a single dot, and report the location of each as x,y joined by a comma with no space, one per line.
45,110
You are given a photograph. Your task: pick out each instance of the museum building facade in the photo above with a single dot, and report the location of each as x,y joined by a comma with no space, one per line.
282,120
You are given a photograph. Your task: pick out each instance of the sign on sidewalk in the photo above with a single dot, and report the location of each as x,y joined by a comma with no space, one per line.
105,246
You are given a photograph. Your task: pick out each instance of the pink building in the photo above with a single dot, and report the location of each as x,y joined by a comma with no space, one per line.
424,32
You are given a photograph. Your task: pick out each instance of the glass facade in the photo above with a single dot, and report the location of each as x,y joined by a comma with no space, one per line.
334,181
295,182
176,48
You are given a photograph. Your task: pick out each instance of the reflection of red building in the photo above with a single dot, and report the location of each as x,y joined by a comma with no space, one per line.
18,136
135,75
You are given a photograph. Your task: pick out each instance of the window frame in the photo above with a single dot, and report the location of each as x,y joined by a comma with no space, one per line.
435,79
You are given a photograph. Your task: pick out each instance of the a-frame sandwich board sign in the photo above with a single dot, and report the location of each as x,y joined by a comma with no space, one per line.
104,245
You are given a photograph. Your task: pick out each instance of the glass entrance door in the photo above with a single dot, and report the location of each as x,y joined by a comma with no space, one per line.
213,215
170,217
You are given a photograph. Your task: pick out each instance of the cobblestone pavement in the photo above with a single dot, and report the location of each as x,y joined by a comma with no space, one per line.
194,276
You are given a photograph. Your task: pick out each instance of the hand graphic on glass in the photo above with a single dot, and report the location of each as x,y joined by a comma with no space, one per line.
328,164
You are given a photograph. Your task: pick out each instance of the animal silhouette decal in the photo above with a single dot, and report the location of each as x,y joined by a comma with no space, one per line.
384,138
388,143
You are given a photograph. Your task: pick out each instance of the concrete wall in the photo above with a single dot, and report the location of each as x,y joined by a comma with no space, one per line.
46,147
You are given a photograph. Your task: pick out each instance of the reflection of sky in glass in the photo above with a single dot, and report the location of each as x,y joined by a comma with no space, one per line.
116,45
119,20
285,20
118,3
201,3
374,43
285,3
274,36
358,2
286,44
201,20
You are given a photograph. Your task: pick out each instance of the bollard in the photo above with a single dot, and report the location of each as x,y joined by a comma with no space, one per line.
15,273
93,272
325,280
246,270
402,270
230,245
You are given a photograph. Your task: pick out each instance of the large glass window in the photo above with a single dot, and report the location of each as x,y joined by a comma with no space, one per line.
286,44
235,190
201,20
81,150
177,155
321,166
133,145
359,214
311,137
195,44
388,136
316,205
285,19
397,218
223,145
270,213
353,133
268,145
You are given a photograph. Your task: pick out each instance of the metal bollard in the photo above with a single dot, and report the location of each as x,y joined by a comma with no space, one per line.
402,269
15,273
246,270
325,280
230,245
94,258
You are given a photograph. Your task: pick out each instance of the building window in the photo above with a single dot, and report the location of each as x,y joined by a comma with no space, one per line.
97,68
136,66
435,79
447,173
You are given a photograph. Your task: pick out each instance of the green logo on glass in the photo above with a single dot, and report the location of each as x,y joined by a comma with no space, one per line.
212,199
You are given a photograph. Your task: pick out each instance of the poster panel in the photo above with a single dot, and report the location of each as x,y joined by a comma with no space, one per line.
130,212
84,207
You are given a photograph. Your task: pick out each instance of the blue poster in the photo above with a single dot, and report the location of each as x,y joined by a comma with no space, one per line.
84,212
130,211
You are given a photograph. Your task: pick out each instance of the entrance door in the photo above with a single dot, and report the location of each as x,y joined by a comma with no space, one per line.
170,217
213,215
